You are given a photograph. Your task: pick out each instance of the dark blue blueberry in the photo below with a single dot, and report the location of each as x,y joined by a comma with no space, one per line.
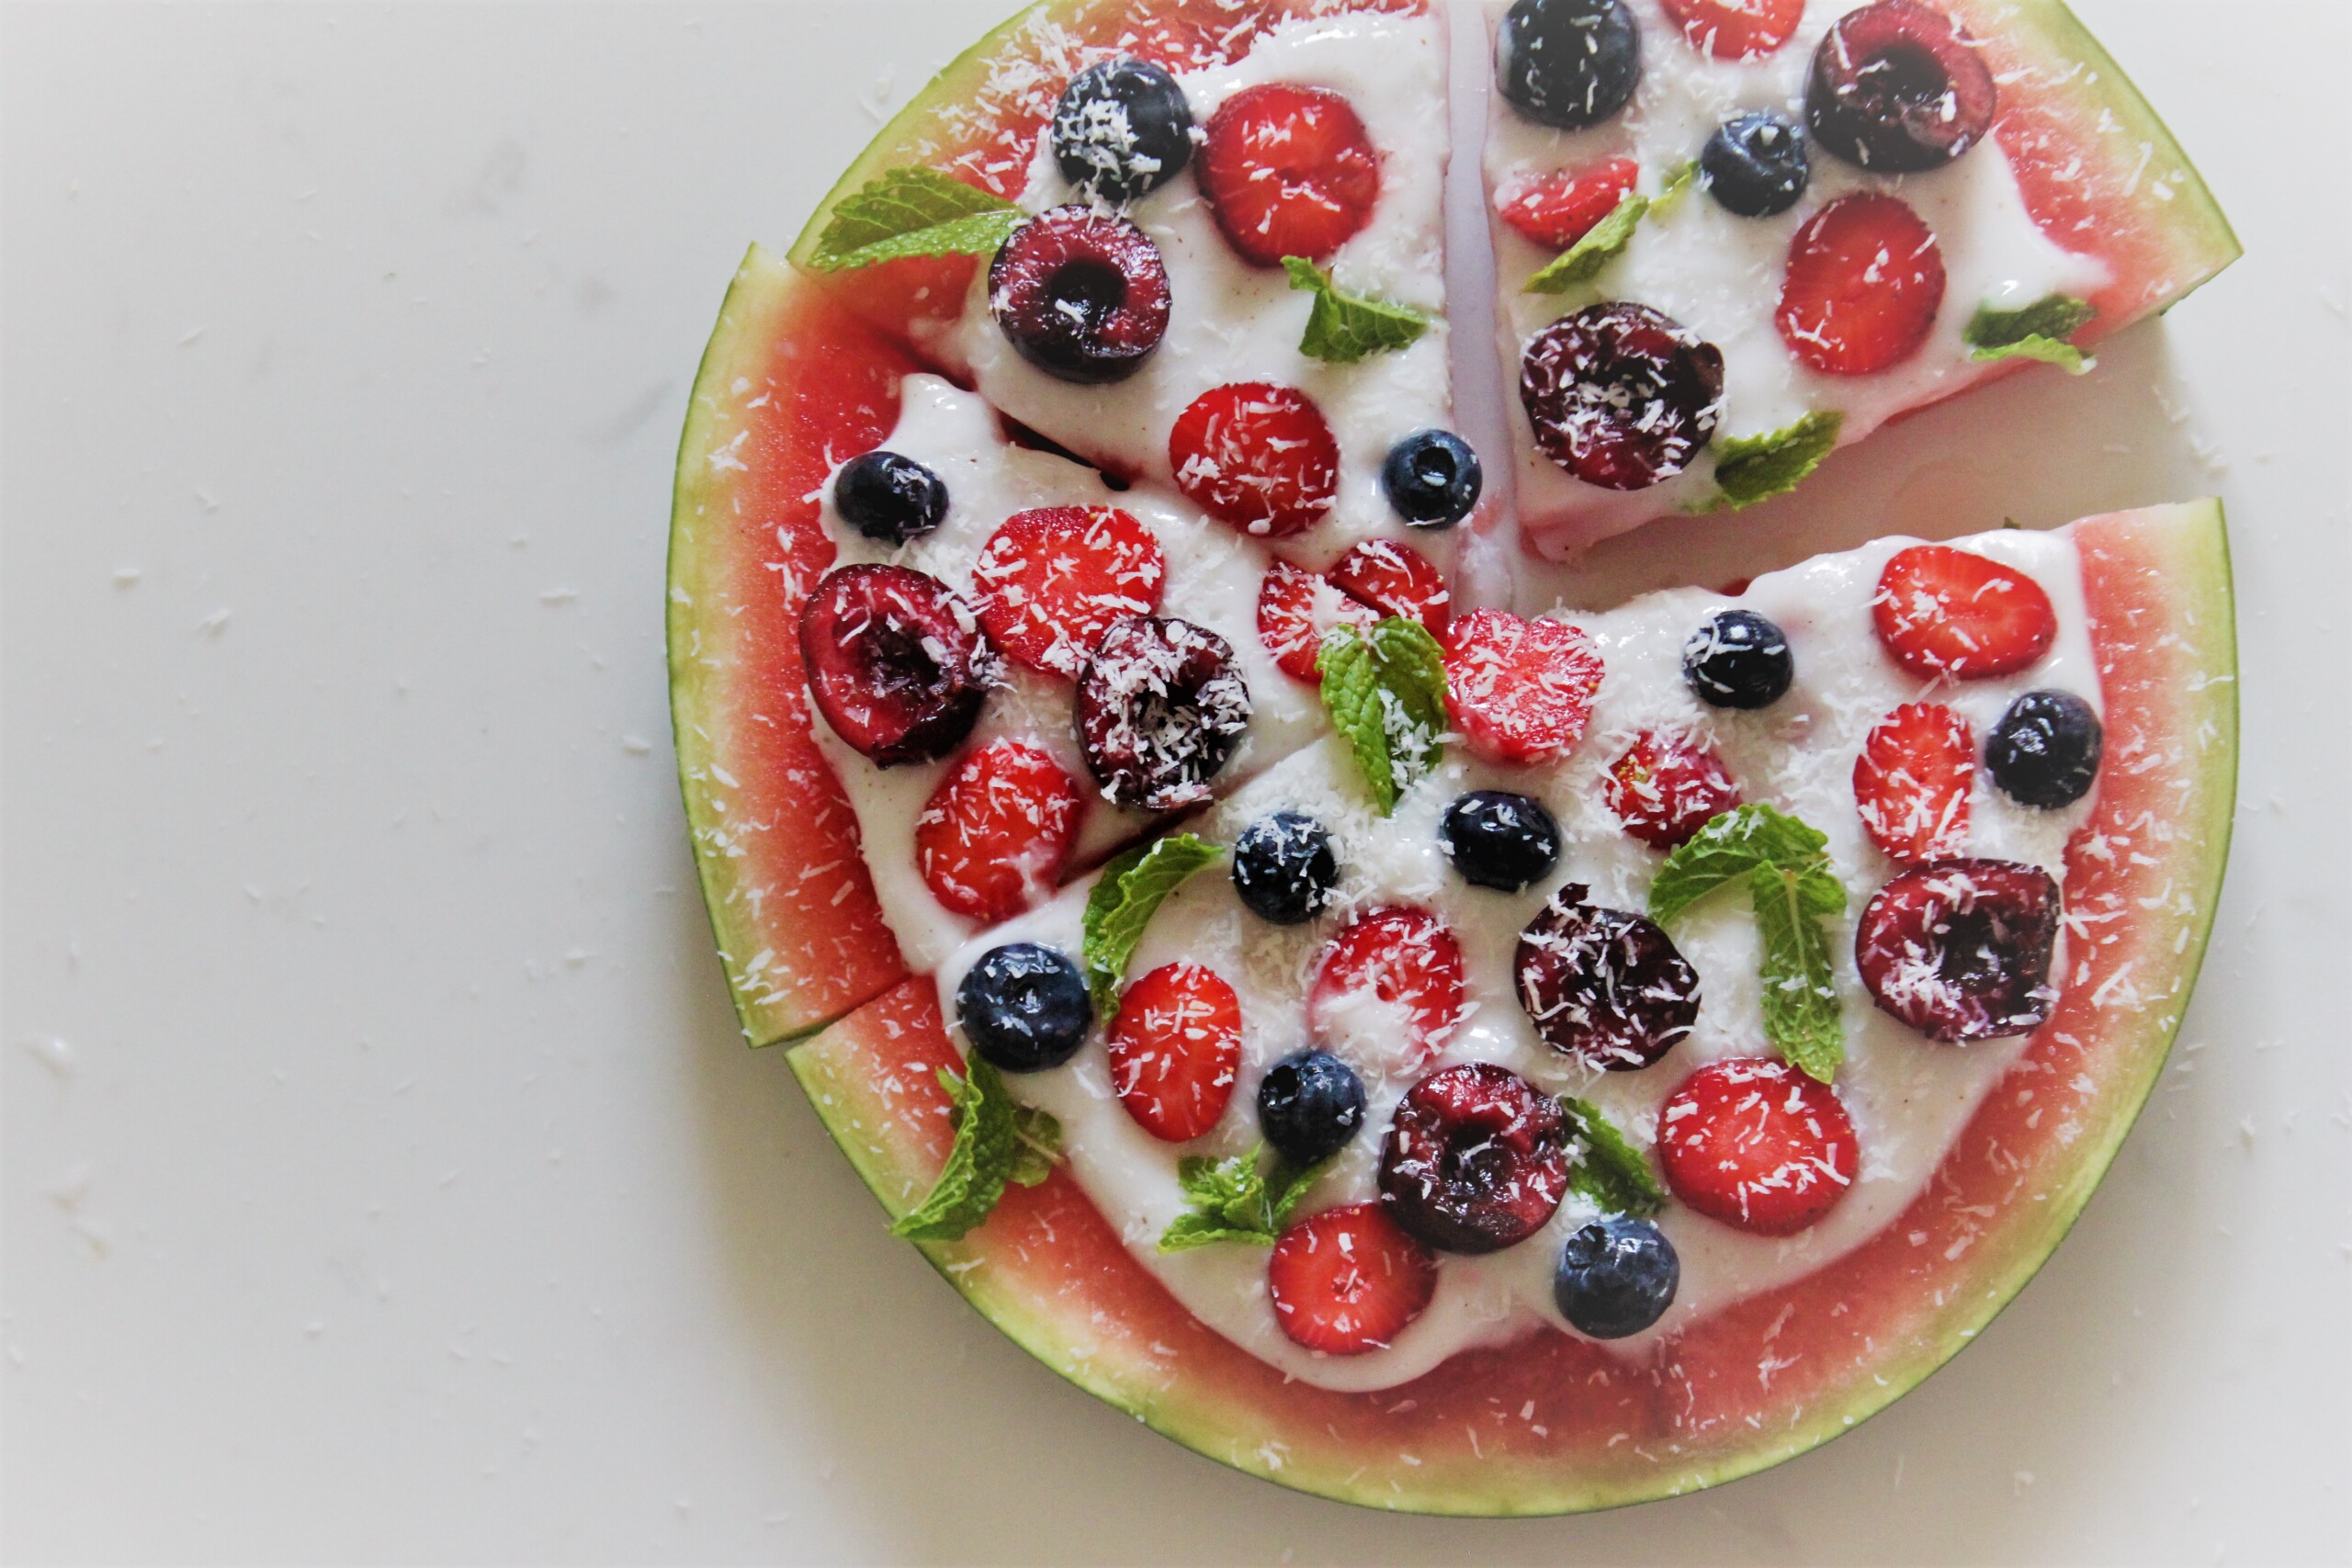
1309,1104
2045,750
1284,867
1738,659
889,499
1755,164
1569,63
1499,839
1122,129
1024,1007
1617,1276
1432,478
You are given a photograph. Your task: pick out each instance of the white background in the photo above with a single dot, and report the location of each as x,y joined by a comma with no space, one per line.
383,1178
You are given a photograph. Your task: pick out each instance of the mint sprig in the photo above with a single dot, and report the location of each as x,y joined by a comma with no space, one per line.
1129,892
913,212
2038,331
1610,1171
1385,689
996,1142
1343,327
1750,469
1607,239
1233,1201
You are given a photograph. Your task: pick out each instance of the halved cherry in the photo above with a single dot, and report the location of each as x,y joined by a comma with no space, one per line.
1175,1050
895,662
1050,582
996,835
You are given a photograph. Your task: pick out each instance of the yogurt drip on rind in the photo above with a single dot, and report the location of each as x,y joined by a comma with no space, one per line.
1909,1097
1720,275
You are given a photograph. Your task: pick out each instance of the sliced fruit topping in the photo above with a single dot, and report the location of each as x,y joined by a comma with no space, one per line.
1895,89
1569,63
996,835
1175,1049
1865,279
1390,985
1912,781
1049,582
1606,987
1755,165
1432,477
1288,171
1519,690
1666,787
1561,206
1284,869
1736,30
1347,1280
1395,579
1619,395
1757,1144
2045,750
1310,1106
1476,1158
1122,129
1256,456
1081,295
1616,1277
1942,612
1161,708
889,499
896,662
1296,608
1023,1006
1959,949
1498,840
1738,659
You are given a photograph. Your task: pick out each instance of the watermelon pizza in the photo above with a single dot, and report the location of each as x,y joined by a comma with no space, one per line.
1420,1053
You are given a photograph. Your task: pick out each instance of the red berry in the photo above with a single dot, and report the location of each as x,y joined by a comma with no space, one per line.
996,835
1736,30
1757,1144
1665,788
1865,282
896,662
1960,949
1256,456
1946,612
1476,1158
1911,783
1050,582
1287,171
1519,690
1175,1049
1395,579
1391,981
1160,709
1619,395
1605,987
1294,607
1896,88
1080,294
1560,208
1349,1279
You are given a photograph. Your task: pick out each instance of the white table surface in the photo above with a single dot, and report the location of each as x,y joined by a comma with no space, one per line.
383,1178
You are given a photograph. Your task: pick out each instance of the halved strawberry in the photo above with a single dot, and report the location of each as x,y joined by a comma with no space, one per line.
1666,787
1559,208
1256,456
996,835
1757,1144
1175,1049
1864,281
1287,171
1395,579
1519,690
1349,1279
1391,984
1946,612
1912,779
1049,582
1736,30
1294,607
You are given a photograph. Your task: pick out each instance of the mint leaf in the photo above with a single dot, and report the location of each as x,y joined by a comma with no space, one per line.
1800,1001
1757,468
977,1163
1601,244
913,212
1680,178
1343,327
2038,331
1610,1172
1125,897
1233,1202
1384,690
1037,1146
1726,849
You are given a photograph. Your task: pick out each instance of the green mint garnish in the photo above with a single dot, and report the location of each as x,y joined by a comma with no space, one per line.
1678,179
1750,469
1384,690
1232,1200
1343,327
1607,239
2039,331
1611,1172
913,212
996,1142
1127,894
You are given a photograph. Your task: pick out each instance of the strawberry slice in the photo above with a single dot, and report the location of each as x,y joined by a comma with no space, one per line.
1946,612
1288,171
1049,582
1395,579
1175,1049
1864,281
1295,608
996,835
1912,779
1519,690
1349,1279
1391,984
1757,1144
1736,30
1666,787
1561,206
1256,456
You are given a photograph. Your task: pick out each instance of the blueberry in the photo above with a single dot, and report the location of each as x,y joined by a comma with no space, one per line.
1024,1007
2045,750
1284,867
1122,129
1432,478
1617,1276
1569,63
1738,659
1309,1104
1499,839
1755,164
889,499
